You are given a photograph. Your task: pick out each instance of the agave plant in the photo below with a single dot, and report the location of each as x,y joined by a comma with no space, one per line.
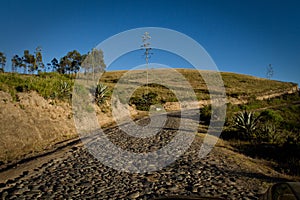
100,93
64,89
247,123
267,132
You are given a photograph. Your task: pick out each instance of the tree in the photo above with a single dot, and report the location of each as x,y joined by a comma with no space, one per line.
70,63
2,61
25,60
39,59
32,62
93,62
32,65
74,61
16,62
49,67
29,62
54,65
62,66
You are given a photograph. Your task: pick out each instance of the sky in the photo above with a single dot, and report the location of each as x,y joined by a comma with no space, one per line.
242,36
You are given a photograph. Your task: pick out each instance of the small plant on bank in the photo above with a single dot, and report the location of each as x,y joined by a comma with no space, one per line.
247,123
64,90
100,93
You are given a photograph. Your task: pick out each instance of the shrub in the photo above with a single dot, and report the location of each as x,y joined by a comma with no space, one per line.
22,88
143,103
271,116
269,132
205,114
230,133
292,138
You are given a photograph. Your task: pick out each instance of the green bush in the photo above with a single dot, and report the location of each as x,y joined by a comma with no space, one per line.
48,85
271,116
230,133
205,114
144,102
268,132
269,127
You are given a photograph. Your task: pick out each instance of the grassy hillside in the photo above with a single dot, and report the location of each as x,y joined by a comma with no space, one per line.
237,85
53,85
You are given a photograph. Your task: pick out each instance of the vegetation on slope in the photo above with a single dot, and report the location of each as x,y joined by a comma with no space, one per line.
274,134
48,85
237,86
277,132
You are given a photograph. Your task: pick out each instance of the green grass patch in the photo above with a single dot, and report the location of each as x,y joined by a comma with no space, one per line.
48,85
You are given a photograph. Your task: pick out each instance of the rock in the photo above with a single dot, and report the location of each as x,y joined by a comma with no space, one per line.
232,179
194,189
173,188
152,178
4,195
134,195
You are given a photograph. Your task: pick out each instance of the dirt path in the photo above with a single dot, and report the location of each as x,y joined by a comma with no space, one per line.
73,172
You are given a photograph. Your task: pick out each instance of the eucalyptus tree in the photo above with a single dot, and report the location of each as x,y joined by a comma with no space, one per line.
2,61
29,62
39,59
32,65
74,61
53,64
70,63
16,62
93,62
62,66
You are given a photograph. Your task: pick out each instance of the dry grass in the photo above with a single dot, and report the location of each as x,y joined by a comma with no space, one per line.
237,86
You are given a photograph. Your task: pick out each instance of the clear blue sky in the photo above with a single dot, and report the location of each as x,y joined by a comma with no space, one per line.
241,36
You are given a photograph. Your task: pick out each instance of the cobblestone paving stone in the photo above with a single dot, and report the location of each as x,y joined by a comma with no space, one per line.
79,175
